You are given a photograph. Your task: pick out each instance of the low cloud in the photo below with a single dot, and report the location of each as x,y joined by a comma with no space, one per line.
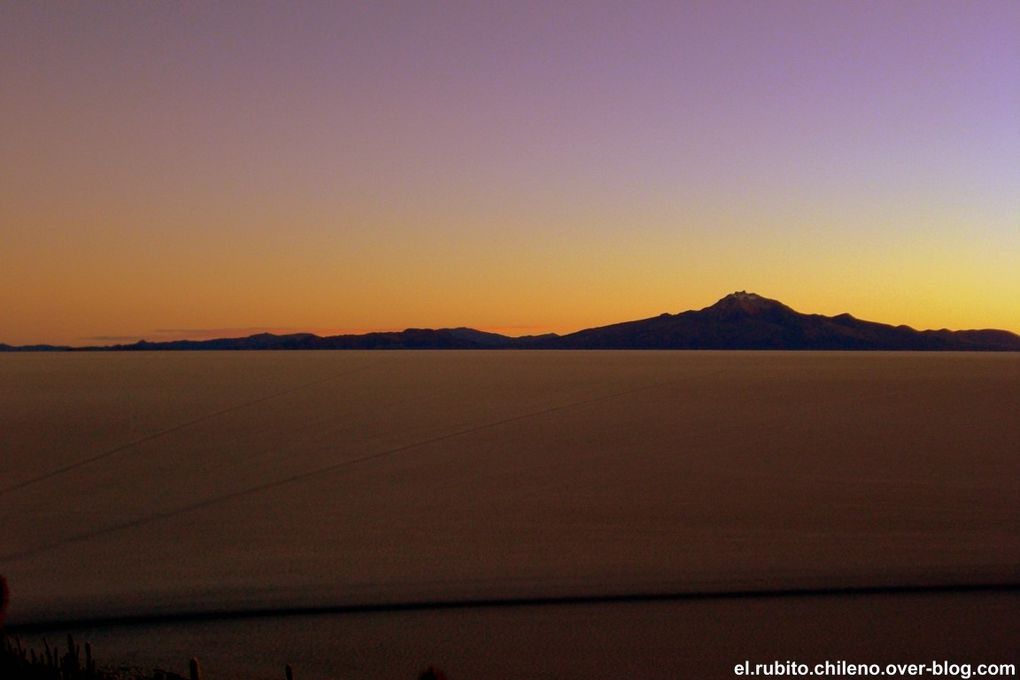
113,338
194,333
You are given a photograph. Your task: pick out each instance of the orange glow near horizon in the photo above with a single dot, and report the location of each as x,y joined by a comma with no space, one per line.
333,169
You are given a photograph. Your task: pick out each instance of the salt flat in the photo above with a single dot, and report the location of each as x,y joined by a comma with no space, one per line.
158,482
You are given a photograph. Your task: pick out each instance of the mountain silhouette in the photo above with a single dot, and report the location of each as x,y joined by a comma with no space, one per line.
744,320
740,320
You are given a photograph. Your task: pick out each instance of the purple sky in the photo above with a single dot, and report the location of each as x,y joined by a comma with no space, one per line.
503,165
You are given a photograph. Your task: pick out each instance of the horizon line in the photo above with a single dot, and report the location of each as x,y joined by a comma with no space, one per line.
242,332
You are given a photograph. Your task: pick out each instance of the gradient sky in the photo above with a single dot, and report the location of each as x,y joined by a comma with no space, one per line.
194,169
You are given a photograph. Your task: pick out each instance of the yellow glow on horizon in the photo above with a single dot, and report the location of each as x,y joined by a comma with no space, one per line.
399,171
559,281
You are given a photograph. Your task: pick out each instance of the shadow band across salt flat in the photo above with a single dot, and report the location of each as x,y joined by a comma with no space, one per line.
57,624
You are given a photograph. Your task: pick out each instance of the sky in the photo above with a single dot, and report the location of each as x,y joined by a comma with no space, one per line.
183,169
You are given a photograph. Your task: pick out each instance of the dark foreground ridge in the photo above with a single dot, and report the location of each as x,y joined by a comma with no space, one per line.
20,662
739,321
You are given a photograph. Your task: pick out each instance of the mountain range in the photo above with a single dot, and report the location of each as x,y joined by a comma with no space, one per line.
741,321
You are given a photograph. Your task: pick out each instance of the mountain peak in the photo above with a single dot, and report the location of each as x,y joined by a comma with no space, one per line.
742,302
743,295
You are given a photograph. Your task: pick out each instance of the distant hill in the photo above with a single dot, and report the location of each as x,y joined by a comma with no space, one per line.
412,338
740,320
35,348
